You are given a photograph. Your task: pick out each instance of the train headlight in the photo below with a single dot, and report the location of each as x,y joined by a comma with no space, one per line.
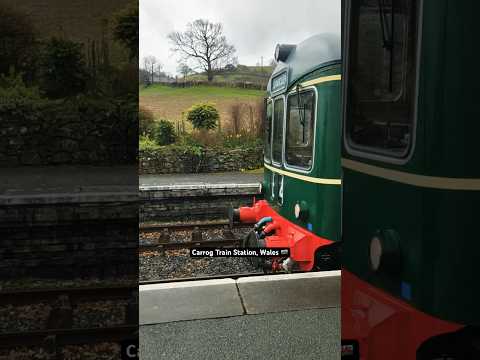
297,211
301,210
384,252
375,253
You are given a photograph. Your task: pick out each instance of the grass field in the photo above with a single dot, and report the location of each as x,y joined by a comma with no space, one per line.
169,102
200,92
254,74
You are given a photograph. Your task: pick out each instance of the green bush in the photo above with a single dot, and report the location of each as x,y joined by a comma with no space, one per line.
164,132
19,103
241,140
147,144
63,69
146,122
203,116
125,29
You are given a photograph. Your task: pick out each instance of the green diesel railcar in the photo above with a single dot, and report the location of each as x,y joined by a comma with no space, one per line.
302,185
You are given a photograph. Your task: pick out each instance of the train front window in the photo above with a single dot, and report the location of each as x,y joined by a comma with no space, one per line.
277,130
300,129
381,76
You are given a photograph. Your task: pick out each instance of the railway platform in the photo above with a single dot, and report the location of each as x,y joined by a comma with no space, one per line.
201,196
200,179
294,316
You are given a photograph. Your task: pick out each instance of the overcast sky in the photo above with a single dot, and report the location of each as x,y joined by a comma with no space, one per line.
254,27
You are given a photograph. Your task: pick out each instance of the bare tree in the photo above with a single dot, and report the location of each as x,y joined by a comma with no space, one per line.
204,43
184,69
150,64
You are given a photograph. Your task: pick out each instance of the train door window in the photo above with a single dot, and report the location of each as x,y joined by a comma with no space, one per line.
268,132
381,76
300,130
277,141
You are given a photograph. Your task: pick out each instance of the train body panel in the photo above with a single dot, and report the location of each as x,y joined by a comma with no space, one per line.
302,177
323,180
408,220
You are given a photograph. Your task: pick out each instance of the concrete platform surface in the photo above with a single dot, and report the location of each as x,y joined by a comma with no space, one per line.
68,184
195,179
161,303
275,293
303,335
193,300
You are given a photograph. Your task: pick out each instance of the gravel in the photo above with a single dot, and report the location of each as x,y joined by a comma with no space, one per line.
23,318
178,263
99,314
26,353
33,283
181,236
100,351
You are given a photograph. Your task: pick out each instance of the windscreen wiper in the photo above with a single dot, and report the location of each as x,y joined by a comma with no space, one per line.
300,113
388,35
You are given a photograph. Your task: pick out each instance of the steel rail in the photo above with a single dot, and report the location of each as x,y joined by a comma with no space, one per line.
156,227
28,296
189,245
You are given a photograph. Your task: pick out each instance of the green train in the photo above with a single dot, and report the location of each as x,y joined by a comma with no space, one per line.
302,184
411,180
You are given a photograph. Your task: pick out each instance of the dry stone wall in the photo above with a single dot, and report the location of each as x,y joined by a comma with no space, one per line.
176,160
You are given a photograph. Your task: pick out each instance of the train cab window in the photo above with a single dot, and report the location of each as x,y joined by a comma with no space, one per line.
268,132
300,129
381,76
277,142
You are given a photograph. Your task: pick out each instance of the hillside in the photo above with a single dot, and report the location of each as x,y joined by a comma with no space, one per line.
242,73
77,20
170,102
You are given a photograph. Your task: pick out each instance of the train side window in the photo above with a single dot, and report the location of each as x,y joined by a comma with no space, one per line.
381,76
277,142
268,132
300,129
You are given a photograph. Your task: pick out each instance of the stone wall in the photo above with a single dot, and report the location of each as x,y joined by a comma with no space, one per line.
80,131
194,202
175,160
65,237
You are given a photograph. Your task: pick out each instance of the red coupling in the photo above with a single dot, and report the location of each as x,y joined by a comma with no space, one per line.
247,214
276,266
271,227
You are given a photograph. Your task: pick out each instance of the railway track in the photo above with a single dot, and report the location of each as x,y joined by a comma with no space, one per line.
163,241
189,244
156,264
21,296
158,227
59,330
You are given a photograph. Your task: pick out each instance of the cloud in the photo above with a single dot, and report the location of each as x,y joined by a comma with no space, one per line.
254,27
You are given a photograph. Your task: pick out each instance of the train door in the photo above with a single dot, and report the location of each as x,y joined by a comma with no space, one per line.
381,211
277,150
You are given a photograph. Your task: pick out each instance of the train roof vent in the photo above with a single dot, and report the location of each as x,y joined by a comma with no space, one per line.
283,51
